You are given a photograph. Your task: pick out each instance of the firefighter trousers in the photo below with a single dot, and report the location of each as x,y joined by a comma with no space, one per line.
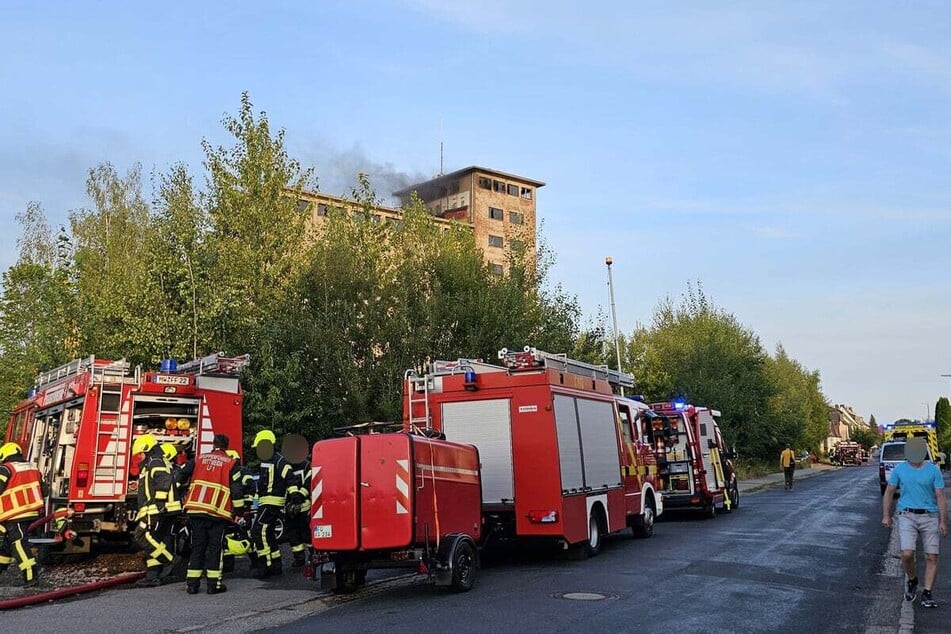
264,537
154,537
207,538
14,546
297,526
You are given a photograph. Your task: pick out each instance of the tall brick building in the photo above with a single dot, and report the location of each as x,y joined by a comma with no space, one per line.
498,207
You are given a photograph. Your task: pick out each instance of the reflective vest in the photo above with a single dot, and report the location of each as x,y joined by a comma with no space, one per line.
210,491
23,495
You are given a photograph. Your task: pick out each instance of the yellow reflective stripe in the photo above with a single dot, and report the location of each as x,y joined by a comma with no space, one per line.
272,500
193,574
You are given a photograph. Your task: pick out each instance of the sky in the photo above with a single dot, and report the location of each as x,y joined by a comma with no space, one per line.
792,157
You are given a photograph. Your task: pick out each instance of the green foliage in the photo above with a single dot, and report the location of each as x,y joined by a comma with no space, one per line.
695,350
866,436
942,417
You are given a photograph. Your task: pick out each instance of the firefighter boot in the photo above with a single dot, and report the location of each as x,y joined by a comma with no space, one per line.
191,587
170,567
216,588
151,578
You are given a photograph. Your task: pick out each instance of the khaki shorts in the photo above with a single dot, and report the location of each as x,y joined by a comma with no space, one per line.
911,525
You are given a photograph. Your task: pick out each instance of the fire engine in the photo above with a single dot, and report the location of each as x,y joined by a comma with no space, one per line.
563,457
80,421
847,454
926,430
391,500
696,470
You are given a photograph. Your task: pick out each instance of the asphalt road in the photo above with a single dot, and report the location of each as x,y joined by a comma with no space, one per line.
811,560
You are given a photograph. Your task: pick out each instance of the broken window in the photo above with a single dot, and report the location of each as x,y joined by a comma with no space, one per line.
322,209
527,193
498,186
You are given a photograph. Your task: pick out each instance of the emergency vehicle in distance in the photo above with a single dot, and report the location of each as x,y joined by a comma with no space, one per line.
915,429
696,470
81,419
561,458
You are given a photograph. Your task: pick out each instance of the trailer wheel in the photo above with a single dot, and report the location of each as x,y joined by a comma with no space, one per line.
644,527
463,567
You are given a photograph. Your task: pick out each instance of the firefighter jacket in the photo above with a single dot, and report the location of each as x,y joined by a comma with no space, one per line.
216,488
157,491
21,495
274,477
298,491
249,488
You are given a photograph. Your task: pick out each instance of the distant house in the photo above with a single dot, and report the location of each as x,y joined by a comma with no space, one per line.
842,421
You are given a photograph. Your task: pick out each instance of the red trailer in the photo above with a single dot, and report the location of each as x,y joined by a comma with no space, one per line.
81,419
696,469
392,500
563,457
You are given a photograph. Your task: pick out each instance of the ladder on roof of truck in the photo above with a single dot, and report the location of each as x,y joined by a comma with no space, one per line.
533,358
216,364
418,386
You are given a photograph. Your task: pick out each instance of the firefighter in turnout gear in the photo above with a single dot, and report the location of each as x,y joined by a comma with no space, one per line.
21,500
158,504
214,497
274,476
249,487
297,523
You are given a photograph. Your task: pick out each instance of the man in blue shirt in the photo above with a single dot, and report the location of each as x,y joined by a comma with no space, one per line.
922,510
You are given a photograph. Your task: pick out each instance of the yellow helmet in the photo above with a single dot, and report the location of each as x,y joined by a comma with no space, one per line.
236,545
171,423
144,443
170,451
233,454
9,449
264,434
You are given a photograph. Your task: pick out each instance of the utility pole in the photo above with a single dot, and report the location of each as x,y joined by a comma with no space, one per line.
947,376
617,343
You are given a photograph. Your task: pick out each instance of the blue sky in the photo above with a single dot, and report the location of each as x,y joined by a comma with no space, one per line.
793,157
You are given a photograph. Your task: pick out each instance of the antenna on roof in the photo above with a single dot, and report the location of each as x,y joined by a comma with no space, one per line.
441,172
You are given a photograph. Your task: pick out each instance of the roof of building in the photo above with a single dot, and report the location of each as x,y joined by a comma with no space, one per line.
438,180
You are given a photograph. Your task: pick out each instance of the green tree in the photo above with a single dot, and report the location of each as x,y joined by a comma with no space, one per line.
797,407
699,351
942,418
866,436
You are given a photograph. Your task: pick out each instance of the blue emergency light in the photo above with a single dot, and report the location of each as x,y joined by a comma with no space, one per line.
680,404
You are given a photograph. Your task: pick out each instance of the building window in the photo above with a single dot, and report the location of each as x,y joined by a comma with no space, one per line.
498,186
516,217
513,190
485,183
495,241
302,205
516,245
396,222
375,218
496,214
527,193
497,269
322,209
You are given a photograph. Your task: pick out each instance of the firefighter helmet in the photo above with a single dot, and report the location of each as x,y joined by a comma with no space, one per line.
234,455
170,451
264,434
9,449
236,545
144,443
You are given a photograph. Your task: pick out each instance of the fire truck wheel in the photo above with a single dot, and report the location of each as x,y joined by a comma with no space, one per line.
463,566
710,510
595,532
644,526
734,496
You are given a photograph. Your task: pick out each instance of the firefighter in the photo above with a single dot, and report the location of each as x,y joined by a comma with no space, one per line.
214,497
274,475
21,499
297,522
158,504
249,487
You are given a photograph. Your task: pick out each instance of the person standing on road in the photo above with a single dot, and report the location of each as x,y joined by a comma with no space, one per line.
787,462
274,476
21,500
158,503
922,510
214,497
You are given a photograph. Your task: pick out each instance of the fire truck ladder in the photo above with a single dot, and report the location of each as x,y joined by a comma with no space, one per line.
74,367
531,358
418,395
216,364
110,473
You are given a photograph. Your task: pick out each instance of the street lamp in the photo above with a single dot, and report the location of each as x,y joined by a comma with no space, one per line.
947,376
927,411
617,344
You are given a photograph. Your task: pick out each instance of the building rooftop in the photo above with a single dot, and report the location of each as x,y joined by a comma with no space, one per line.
433,187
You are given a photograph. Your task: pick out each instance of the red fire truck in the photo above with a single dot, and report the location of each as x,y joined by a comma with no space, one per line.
391,500
696,469
81,419
563,457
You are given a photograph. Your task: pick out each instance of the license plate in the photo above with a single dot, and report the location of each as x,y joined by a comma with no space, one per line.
323,531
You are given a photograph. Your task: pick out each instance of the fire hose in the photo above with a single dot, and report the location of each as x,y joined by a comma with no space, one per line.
61,593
